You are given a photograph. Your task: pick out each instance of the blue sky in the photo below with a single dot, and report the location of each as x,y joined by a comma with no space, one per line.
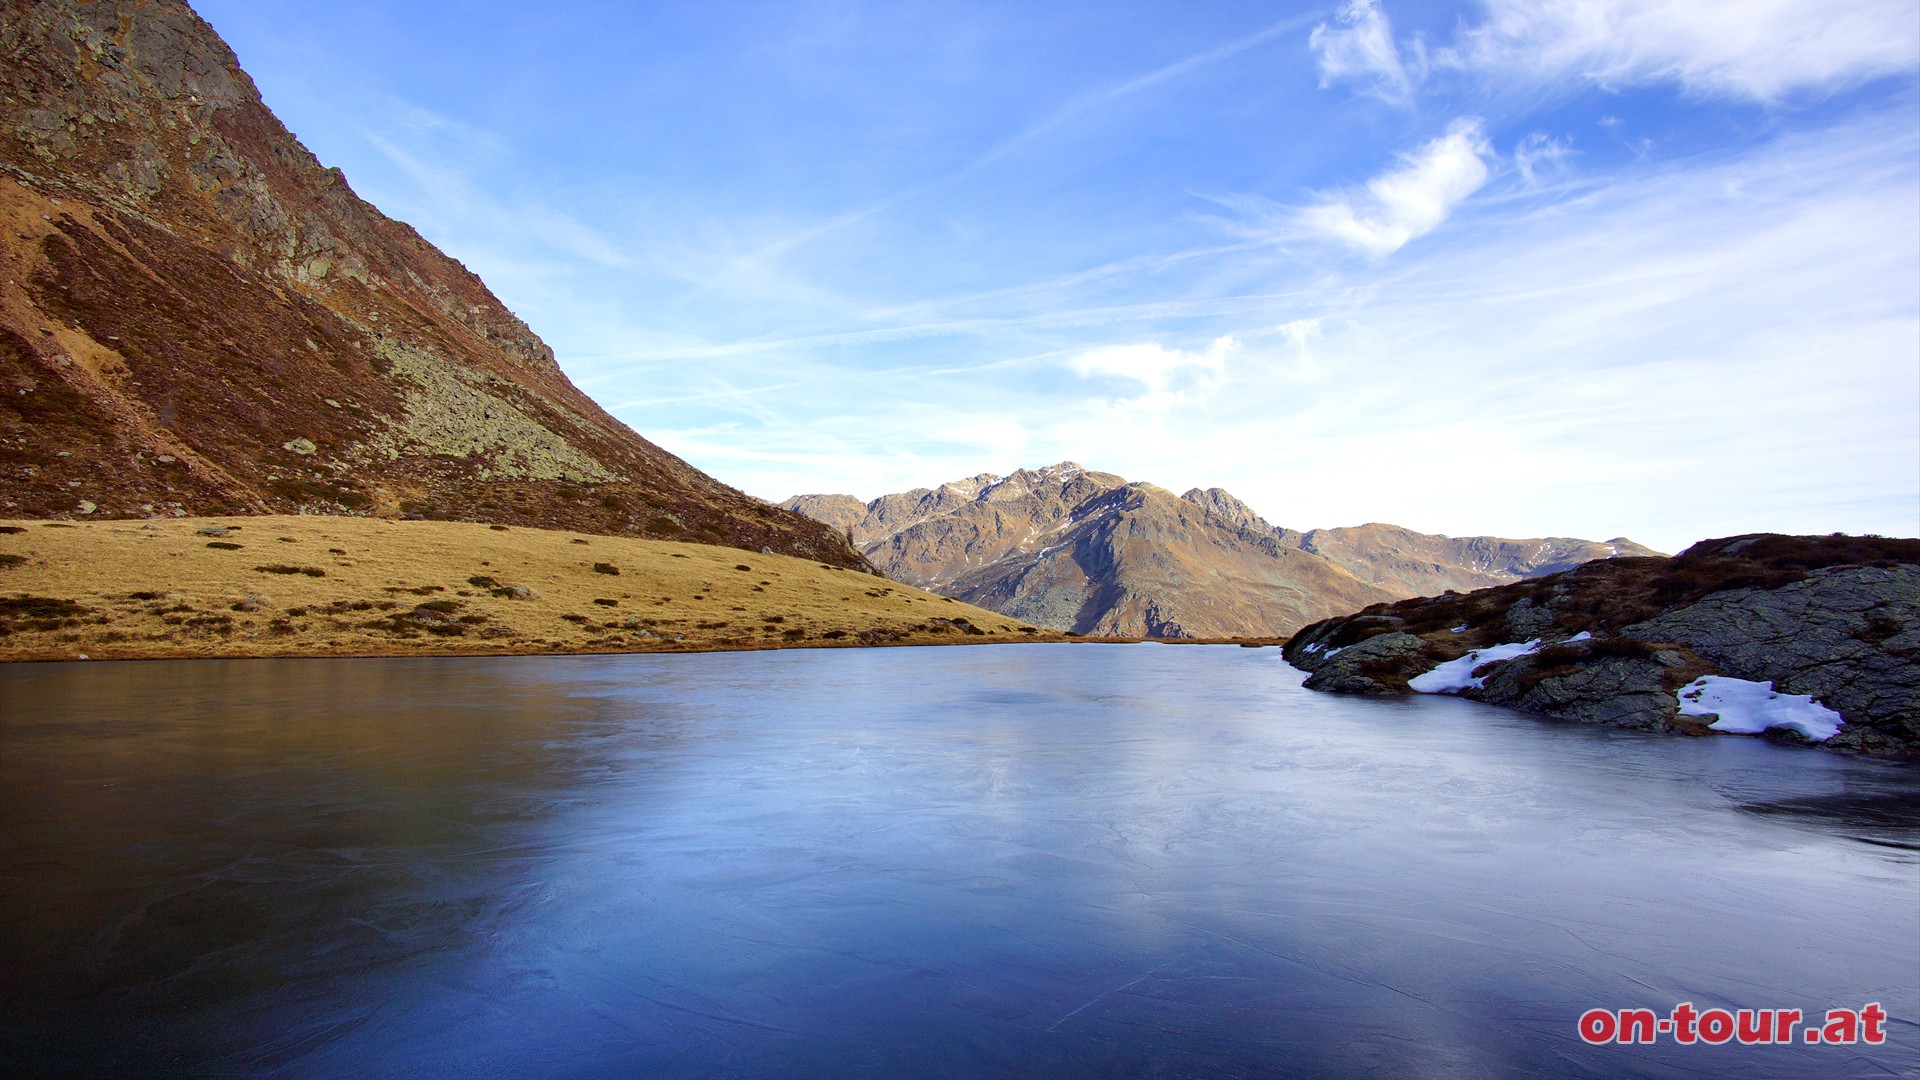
1570,267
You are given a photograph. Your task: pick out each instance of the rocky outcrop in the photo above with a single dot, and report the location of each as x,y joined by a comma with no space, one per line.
197,317
1834,619
1224,504
1379,664
1075,549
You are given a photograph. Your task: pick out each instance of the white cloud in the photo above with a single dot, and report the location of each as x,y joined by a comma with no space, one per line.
1300,331
1755,49
1747,357
1654,357
996,434
1362,48
1537,149
1760,50
1694,349
1150,363
1411,199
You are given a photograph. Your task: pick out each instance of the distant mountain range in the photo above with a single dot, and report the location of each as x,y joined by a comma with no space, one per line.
197,317
1072,549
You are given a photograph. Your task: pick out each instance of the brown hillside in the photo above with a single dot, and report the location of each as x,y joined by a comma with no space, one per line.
310,585
196,318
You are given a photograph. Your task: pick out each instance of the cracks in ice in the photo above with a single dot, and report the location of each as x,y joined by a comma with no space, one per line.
1098,998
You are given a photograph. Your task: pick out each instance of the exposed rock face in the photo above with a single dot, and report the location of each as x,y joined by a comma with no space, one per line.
1833,618
197,317
1849,636
1222,503
841,512
1074,549
1597,683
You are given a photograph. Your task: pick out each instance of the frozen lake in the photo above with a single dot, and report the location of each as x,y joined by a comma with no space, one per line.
1040,860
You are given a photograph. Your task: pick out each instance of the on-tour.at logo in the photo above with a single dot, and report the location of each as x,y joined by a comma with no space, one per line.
1748,1027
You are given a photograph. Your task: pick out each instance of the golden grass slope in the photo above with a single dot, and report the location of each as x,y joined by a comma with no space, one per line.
345,586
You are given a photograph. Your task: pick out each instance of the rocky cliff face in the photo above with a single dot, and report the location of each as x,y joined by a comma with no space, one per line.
1074,549
197,317
1834,619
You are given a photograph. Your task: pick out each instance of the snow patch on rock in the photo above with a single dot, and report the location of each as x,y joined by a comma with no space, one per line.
1745,707
1457,675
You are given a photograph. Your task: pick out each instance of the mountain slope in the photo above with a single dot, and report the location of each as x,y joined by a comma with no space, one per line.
197,317
1069,548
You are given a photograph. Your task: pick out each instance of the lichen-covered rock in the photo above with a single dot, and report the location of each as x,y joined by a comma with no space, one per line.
1315,645
1527,620
1847,636
1594,681
1379,665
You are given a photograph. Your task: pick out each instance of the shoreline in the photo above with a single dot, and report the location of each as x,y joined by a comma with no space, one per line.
321,587
1049,637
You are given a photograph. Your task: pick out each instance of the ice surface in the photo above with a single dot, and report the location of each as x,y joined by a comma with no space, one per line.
1745,707
1071,861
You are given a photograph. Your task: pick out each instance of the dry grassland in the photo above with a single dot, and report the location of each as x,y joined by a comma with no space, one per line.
346,586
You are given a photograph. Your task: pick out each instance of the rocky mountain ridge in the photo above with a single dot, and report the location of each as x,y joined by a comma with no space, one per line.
1761,620
197,317
1087,551
1425,564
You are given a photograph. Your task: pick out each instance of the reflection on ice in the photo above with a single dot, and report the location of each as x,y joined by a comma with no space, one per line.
1075,860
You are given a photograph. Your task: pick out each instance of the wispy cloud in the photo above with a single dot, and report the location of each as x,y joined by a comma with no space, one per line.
1061,117
1093,99
1539,150
1046,293
1409,200
1150,363
1360,47
1105,315
1755,49
441,157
